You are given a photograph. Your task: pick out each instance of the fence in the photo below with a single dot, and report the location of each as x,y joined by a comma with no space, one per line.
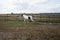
37,17
8,17
14,16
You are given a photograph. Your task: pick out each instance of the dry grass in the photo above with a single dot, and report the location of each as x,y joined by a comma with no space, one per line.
17,30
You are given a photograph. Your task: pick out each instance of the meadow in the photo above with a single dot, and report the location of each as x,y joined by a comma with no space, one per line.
45,27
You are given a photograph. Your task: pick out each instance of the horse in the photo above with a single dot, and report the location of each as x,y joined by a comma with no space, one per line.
27,17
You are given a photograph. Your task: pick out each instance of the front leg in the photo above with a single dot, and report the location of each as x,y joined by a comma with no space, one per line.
24,20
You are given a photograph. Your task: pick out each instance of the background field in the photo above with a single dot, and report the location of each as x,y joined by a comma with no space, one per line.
45,27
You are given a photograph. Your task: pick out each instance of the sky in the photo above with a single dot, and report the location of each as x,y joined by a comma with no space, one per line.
30,6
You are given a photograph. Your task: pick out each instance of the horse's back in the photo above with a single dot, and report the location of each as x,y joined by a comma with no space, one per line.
25,16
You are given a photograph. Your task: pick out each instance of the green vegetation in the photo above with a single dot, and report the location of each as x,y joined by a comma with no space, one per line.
15,23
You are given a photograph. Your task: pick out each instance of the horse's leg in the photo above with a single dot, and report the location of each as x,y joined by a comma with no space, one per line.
32,19
27,20
24,20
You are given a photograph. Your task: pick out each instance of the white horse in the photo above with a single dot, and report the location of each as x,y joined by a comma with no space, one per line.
26,17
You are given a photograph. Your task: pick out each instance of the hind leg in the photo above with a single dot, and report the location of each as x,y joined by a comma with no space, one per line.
24,20
31,18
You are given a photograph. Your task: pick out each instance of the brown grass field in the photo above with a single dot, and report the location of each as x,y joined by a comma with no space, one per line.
45,28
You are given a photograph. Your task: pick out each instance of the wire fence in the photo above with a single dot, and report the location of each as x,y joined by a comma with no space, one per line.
14,17
37,17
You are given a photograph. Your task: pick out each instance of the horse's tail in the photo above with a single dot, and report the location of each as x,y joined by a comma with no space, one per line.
32,19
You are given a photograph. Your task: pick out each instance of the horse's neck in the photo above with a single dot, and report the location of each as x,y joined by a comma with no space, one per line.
24,15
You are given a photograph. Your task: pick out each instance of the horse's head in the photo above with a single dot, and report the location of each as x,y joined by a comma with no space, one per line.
21,14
